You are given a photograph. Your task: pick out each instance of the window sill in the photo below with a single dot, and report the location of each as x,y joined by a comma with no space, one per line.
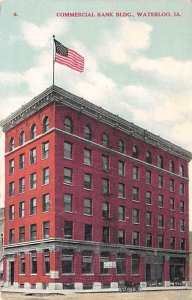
67,274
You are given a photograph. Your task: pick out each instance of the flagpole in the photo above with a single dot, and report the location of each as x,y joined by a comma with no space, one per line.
53,61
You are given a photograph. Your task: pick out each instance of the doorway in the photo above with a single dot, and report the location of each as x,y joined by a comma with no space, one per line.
11,268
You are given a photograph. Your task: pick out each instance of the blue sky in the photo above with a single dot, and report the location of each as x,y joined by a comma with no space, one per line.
137,67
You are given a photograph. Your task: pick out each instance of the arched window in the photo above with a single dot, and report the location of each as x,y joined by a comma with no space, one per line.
68,125
148,157
21,138
105,140
181,170
33,131
45,124
87,133
121,146
11,144
135,151
160,161
171,166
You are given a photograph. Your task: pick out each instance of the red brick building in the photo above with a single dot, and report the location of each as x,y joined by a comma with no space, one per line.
85,187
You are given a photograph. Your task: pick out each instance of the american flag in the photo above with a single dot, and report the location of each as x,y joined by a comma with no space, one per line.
68,57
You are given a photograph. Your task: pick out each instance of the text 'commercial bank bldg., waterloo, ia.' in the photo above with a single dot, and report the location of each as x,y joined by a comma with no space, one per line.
85,187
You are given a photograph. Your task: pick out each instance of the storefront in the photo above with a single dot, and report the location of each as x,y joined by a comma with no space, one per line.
154,270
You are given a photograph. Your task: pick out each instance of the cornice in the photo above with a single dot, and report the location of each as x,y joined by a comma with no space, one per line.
83,106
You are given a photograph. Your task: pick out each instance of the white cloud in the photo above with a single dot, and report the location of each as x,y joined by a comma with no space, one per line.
7,78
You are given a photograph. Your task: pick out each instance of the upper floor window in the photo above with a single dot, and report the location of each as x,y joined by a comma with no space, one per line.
67,150
45,124
11,189
105,140
11,166
21,138
105,163
68,125
160,161
171,166
33,132
148,157
21,161
87,133
121,146
181,170
135,151
33,156
181,189
45,150
11,144
45,176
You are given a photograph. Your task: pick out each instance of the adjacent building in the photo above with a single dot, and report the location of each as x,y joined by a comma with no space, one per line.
91,199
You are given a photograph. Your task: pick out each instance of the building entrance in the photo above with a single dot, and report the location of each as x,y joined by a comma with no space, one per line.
11,269
154,271
177,270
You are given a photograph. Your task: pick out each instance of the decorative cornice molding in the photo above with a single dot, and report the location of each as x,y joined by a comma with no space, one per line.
83,106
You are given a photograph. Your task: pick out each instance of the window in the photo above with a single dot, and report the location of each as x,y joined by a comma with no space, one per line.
182,206
148,157
46,229
67,150
121,213
21,185
11,236
135,173
148,197
21,209
105,238
181,170
67,202
135,264
11,144
160,181
171,166
87,206
160,241
67,261
33,262
121,236
21,138
21,161
135,216
68,230
148,177
87,262
21,234
68,126
181,189
160,161
88,232
45,124
104,257
135,238
171,185
172,223
148,218
45,202
33,206
45,176
135,194
182,225
22,263
172,243
45,150
105,186
67,175
105,210
121,168
33,181
105,163
172,203
121,146
121,263
11,212
135,151
148,240
87,157
11,166
87,133
33,132
46,261
160,221
33,232
11,189
87,181
182,244
33,156
121,190
105,140
160,201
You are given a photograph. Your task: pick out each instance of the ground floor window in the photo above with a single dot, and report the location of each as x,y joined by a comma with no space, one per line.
22,263
34,262
135,264
67,261
177,269
104,257
87,262
46,261
120,263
